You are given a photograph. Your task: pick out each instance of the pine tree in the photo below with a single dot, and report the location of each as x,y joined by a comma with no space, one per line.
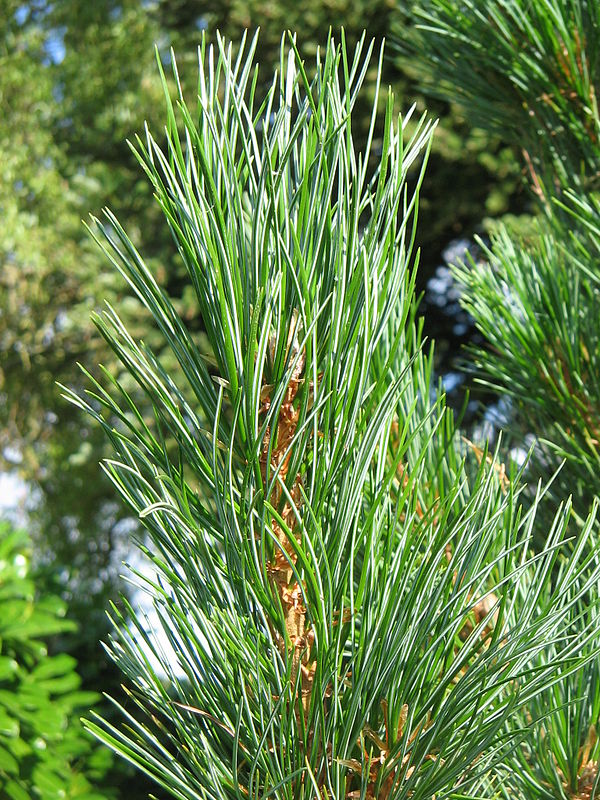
352,601
531,70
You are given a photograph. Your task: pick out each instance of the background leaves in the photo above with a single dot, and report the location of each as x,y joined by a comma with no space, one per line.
43,751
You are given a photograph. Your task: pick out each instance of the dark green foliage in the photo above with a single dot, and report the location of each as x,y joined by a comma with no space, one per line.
527,69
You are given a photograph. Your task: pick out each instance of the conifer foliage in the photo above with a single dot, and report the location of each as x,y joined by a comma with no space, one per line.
532,70
353,608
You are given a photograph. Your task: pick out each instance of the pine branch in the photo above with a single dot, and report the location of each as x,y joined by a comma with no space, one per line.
352,612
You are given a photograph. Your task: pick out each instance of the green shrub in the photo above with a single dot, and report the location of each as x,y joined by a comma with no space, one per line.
44,751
